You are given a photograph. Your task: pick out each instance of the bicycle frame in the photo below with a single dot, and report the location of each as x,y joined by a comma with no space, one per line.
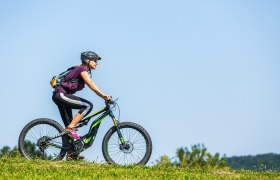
88,138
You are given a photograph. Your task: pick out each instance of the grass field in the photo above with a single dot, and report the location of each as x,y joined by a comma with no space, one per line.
19,168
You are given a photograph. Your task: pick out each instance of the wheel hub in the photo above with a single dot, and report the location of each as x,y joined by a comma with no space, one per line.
42,143
127,147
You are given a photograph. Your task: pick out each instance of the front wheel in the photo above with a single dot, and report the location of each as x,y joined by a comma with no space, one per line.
136,149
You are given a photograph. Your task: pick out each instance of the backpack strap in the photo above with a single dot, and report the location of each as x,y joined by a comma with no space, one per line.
64,74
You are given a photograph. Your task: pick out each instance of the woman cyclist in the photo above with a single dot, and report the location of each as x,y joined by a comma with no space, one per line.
75,81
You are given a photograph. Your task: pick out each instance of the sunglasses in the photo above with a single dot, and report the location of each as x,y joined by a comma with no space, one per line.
93,60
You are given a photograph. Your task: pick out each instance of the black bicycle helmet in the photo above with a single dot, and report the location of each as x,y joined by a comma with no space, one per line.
89,55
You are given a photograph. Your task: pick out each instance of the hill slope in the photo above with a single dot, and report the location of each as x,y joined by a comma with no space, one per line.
18,168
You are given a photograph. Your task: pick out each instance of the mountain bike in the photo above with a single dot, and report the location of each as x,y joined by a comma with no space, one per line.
125,143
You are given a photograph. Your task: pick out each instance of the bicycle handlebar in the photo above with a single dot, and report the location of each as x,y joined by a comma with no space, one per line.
113,102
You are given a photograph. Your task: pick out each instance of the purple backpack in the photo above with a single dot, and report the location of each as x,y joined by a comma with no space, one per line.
72,81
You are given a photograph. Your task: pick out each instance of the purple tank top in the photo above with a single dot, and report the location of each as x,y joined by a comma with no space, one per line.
68,87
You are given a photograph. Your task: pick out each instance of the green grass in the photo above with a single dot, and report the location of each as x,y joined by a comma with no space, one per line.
19,168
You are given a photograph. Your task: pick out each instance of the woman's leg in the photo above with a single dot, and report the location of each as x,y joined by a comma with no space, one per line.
65,112
77,118
74,102
64,115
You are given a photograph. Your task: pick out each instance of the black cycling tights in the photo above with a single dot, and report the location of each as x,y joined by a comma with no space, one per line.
67,102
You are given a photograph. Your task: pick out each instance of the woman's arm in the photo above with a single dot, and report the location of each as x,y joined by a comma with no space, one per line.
93,86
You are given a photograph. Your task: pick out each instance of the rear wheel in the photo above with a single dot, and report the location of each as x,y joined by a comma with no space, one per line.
137,147
34,140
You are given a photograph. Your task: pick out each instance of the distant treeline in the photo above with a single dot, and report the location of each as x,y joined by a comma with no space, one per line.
261,162
197,155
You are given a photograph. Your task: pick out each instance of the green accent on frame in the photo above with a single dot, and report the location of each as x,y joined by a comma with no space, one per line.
94,114
97,122
87,140
55,146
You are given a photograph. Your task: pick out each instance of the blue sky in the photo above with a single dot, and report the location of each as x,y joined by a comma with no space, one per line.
188,71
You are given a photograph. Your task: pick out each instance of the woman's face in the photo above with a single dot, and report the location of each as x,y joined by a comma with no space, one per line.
92,64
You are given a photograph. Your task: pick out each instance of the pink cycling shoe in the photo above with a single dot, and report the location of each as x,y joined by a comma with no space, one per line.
72,132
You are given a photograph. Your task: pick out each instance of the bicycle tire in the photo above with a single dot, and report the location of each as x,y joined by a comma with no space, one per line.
44,122
138,129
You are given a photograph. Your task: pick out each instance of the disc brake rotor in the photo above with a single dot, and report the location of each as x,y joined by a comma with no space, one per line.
127,147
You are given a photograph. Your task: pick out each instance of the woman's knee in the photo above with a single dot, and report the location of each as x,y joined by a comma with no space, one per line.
86,109
90,106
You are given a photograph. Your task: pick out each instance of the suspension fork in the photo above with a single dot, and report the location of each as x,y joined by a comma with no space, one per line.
116,124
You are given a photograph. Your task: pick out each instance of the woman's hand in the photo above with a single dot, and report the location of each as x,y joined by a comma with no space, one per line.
107,98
